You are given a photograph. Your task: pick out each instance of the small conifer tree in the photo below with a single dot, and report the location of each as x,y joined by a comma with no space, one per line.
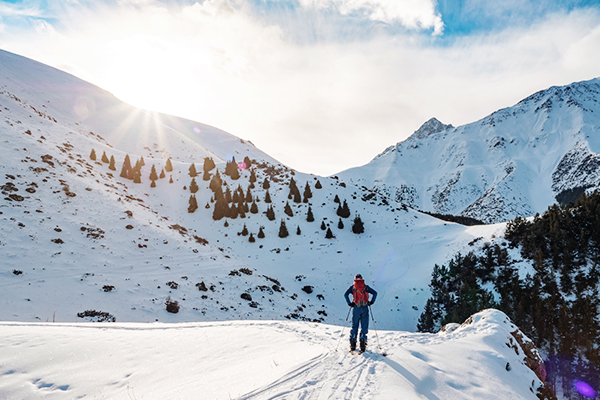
271,213
169,166
337,199
288,210
298,231
162,173
126,170
209,165
323,226
193,204
248,162
329,234
267,197
153,176
340,224
244,231
261,233
248,196
207,206
307,191
251,239
93,155
227,194
252,176
171,179
266,185
254,208
142,162
104,158
193,186
111,165
192,171
357,225
318,185
153,184
309,215
137,176
283,232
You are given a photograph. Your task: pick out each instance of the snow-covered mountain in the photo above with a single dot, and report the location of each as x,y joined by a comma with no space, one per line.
77,237
515,162
78,243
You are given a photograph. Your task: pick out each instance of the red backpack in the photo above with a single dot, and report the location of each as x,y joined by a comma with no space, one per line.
359,293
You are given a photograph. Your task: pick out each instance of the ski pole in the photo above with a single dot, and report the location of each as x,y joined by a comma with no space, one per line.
383,353
345,322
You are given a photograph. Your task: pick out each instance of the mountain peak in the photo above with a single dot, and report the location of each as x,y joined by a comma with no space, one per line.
429,128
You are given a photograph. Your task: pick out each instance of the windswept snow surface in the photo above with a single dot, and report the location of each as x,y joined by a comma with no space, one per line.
259,360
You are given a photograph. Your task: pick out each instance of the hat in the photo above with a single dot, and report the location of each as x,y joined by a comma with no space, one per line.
358,276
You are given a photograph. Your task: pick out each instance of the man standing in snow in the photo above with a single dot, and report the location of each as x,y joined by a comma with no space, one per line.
360,310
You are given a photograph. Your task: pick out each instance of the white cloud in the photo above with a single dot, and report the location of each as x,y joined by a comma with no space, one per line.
414,14
318,107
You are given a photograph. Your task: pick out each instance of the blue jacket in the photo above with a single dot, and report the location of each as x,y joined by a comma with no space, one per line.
367,288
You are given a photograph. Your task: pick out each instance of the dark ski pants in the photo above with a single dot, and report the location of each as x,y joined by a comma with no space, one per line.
360,315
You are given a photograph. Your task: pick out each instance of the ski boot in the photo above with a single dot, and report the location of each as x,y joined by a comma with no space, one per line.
352,346
363,346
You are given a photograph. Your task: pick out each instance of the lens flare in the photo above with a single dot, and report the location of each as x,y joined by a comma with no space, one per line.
229,158
196,129
242,165
585,389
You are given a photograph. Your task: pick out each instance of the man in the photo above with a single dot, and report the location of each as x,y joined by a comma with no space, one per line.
360,311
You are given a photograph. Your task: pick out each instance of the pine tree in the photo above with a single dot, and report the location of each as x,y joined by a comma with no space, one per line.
171,179
307,192
323,226
104,158
142,162
209,164
343,210
244,231
261,233
252,176
247,162
251,239
207,206
221,209
329,234
248,196
357,225
337,200
254,208
192,170
93,155
288,210
231,169
169,166
111,166
340,224
228,198
309,215
298,231
215,182
126,169
270,213
318,185
193,204
153,176
193,186
137,176
266,185
162,173
267,197
283,232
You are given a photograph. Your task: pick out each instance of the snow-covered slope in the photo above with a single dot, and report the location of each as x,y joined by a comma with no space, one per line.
76,237
485,358
514,162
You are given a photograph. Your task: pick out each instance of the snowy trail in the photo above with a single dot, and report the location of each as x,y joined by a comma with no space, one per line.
329,376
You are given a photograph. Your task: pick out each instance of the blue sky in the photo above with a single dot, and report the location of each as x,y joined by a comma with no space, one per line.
322,85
